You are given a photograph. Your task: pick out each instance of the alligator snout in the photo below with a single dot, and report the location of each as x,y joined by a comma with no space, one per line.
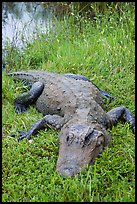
79,147
68,170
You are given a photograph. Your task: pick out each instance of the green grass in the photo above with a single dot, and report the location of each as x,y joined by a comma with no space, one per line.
104,52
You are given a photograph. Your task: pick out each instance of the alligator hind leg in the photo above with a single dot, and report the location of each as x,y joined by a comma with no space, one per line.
122,114
80,77
24,100
53,120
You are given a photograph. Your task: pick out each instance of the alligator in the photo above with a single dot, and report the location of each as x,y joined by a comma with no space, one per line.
71,104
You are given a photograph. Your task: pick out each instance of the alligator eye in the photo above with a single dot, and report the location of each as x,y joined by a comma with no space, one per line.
91,136
88,138
67,138
70,138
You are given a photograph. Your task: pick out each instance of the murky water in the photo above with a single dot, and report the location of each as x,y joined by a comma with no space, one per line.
21,21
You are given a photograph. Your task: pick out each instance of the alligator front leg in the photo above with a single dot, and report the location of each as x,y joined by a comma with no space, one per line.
53,120
24,100
122,114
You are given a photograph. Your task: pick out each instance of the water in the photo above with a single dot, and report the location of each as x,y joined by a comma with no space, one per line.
21,21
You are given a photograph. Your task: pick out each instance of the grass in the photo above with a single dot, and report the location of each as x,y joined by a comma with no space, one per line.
104,52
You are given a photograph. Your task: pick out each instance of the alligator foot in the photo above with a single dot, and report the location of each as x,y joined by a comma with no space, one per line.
23,135
19,108
121,113
53,120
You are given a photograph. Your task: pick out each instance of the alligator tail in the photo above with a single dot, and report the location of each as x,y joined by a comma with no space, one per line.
23,75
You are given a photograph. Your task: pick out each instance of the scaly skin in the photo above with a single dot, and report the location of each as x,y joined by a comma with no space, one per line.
73,105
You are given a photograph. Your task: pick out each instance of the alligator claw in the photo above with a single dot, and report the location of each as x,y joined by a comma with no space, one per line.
12,135
19,108
22,135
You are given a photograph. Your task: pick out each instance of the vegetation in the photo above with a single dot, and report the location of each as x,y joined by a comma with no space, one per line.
102,50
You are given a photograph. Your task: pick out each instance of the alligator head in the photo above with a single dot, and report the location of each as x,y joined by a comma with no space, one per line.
80,144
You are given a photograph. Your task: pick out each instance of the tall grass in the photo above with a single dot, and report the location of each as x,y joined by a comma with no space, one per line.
104,51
